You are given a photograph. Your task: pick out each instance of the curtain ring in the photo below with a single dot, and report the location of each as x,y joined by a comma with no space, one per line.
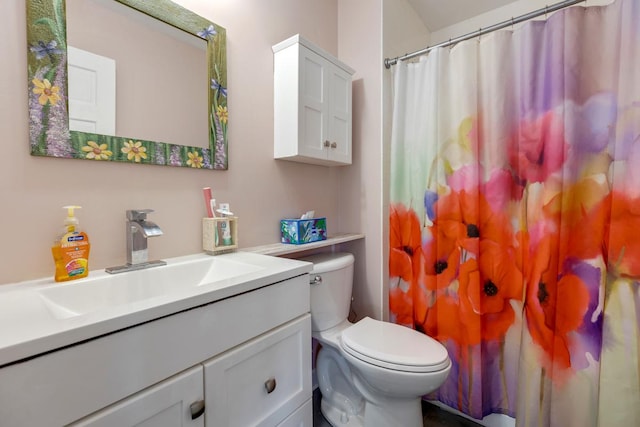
546,11
512,22
479,33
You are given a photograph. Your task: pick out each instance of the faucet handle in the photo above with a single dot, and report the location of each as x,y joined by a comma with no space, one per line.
138,214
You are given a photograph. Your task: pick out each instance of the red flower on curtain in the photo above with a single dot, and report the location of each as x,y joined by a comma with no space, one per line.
583,206
444,321
467,217
405,240
607,228
555,304
401,306
623,242
481,311
539,148
407,302
441,259
487,286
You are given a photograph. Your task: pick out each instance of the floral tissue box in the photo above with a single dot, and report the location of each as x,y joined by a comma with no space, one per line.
299,231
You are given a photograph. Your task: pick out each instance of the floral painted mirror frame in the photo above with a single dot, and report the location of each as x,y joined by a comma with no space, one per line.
49,133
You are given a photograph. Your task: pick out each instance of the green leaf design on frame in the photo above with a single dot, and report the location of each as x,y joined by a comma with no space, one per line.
47,72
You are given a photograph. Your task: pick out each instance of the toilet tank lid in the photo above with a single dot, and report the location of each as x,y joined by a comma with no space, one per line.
325,262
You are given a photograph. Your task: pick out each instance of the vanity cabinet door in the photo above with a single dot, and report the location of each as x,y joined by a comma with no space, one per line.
262,382
312,104
302,417
177,401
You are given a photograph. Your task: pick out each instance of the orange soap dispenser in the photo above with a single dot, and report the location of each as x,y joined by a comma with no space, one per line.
71,249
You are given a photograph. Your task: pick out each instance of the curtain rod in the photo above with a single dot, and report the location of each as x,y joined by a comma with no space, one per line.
388,62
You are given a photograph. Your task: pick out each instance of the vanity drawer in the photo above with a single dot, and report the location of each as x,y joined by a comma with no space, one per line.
262,381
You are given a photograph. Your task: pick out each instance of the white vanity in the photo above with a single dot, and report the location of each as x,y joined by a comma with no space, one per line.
202,341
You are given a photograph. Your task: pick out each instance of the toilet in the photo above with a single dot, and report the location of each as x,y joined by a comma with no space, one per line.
370,373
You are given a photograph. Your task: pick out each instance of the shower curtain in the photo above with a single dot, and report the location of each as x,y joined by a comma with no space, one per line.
515,216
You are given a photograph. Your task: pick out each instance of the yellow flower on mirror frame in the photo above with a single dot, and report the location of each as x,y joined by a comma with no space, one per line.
223,113
195,160
96,152
134,151
47,92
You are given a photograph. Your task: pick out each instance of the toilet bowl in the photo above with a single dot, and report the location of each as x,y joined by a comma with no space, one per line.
370,373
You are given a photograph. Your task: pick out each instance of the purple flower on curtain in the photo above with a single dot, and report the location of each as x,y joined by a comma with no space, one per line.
430,198
590,126
588,337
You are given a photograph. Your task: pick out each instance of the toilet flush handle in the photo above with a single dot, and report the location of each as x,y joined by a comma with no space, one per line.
315,280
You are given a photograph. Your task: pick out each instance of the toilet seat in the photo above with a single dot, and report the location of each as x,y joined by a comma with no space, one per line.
394,347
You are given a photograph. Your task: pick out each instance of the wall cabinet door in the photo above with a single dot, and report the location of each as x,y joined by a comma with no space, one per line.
263,381
177,401
312,104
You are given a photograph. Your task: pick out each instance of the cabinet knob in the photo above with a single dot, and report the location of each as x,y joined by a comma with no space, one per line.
315,280
326,143
197,409
334,145
270,385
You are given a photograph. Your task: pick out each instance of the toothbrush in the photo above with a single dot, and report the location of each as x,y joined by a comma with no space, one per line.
206,192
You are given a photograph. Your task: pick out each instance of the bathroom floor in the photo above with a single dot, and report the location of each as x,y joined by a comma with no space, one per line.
433,416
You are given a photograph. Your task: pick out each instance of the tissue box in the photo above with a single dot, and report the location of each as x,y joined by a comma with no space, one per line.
299,231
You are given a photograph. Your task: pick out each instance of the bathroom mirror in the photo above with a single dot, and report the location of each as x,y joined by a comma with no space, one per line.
49,95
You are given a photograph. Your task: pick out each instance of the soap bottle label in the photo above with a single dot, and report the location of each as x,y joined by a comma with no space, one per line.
71,257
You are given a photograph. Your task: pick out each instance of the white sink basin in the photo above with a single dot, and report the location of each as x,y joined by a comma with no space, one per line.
41,315
74,298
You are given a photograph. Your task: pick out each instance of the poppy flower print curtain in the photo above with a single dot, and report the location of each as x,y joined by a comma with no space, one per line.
515,216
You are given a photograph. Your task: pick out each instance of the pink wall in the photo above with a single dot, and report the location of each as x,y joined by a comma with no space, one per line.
260,189
360,46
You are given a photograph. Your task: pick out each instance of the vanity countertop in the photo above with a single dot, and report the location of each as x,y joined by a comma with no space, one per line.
40,316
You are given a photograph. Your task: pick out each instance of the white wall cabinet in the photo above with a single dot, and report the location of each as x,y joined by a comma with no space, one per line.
312,104
158,373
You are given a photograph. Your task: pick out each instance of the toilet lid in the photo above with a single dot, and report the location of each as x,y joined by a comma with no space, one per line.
394,347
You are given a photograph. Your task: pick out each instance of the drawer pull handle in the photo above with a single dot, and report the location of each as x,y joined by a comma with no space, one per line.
315,280
327,144
334,145
197,409
270,385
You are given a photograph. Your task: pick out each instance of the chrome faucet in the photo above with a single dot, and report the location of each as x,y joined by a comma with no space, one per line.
138,229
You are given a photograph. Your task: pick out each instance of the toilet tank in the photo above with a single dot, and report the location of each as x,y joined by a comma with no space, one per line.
331,293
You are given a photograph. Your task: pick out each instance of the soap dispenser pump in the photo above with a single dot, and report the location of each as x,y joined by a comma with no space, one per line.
71,249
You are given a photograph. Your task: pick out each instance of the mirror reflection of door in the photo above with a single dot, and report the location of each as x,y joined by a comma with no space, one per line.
92,96
162,84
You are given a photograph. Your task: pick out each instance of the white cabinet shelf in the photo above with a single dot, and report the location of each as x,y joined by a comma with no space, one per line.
279,249
312,104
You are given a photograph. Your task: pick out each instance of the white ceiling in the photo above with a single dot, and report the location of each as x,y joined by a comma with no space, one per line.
438,14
